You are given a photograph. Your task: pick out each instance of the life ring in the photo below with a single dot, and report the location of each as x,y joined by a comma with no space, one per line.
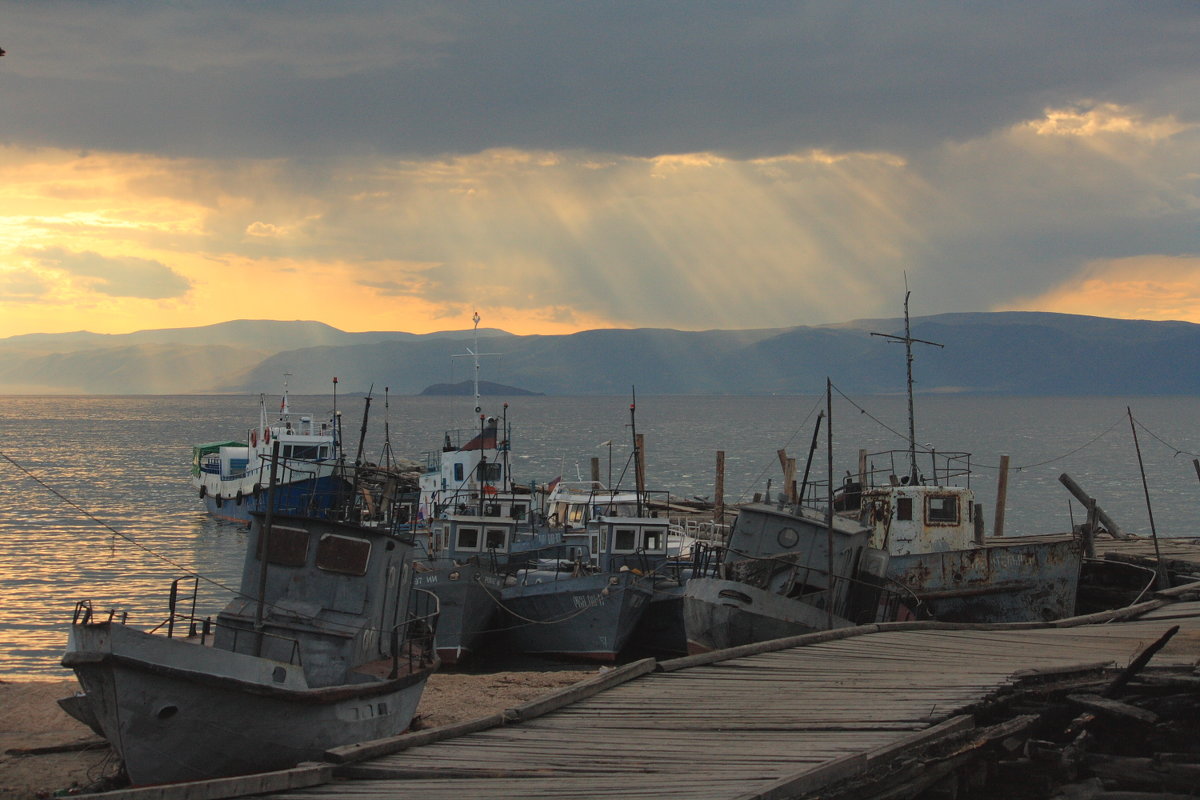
254,438
266,435
203,491
238,497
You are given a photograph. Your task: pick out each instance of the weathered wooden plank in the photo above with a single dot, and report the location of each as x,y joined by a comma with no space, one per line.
302,776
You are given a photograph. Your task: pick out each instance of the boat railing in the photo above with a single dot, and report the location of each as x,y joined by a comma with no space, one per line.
413,639
888,468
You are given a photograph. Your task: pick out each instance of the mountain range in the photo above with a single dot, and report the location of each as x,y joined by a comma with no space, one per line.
1032,353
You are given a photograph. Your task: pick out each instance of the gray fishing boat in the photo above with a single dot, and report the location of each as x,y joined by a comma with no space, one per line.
586,605
325,645
463,566
787,571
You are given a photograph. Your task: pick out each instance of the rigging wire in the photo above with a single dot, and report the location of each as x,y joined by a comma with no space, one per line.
1119,421
792,438
133,541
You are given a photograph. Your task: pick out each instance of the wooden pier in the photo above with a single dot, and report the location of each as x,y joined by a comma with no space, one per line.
763,722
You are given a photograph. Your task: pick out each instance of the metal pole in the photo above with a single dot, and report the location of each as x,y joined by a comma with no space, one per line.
1162,577
264,539
829,508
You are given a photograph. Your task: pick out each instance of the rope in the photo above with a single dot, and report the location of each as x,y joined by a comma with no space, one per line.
974,465
1177,451
131,540
758,478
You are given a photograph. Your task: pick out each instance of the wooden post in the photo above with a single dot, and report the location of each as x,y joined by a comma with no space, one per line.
641,463
978,519
719,490
1075,489
1089,530
595,469
789,480
862,468
1001,496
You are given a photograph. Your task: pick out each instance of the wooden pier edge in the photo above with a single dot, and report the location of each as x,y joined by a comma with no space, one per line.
360,751
855,764
299,777
1162,598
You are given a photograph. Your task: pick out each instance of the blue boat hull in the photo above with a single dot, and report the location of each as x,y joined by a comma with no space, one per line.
311,497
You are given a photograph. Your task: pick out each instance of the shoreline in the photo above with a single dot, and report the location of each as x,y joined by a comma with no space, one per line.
31,720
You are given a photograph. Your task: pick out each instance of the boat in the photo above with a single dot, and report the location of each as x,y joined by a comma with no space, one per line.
231,476
326,644
471,472
463,565
584,601
787,570
932,530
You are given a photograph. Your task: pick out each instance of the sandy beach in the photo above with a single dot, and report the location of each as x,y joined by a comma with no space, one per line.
31,720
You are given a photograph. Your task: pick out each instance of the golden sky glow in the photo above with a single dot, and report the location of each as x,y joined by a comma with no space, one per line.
555,242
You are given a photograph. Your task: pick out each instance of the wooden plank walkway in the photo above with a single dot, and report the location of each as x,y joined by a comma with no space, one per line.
764,725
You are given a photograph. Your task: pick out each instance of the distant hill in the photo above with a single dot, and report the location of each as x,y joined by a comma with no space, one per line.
998,353
486,389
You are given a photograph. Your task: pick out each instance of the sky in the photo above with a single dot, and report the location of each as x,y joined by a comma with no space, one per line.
562,166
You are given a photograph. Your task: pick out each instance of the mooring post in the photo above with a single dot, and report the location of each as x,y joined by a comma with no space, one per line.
719,490
1001,496
641,463
595,469
978,523
862,468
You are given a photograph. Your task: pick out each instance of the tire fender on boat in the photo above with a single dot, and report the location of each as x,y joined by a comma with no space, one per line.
256,491
217,499
203,491
238,497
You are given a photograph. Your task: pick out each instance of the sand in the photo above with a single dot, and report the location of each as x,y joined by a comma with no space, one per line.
30,718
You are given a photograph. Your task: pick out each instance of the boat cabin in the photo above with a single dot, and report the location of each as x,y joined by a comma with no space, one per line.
332,595
920,519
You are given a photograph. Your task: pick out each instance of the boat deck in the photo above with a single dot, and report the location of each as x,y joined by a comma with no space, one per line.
770,720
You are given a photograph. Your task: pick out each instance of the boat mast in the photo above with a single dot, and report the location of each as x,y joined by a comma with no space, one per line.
908,360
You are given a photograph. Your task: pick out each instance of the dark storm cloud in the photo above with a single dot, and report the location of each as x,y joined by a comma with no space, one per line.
288,79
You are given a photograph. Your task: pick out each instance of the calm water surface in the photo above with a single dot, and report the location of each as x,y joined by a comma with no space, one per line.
105,464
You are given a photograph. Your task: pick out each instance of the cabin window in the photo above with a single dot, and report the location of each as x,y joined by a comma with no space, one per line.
344,554
458,472
624,540
576,516
656,541
496,539
305,451
492,510
492,472
942,508
787,538
288,546
468,539
518,511
903,508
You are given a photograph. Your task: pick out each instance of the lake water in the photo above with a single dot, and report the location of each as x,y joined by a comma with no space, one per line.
96,501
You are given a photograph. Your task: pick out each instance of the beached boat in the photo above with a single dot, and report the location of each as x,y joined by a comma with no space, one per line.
787,571
231,477
586,600
326,644
932,531
463,565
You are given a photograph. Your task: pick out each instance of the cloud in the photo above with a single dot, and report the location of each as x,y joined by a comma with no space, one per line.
303,79
116,277
22,285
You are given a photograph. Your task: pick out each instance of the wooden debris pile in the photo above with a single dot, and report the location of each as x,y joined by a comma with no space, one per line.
1078,734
